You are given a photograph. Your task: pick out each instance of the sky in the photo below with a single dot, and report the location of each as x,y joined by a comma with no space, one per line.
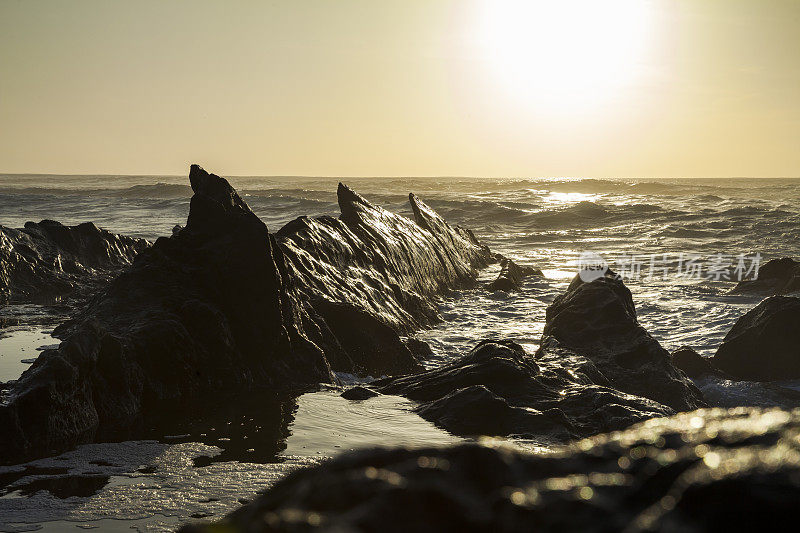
499,88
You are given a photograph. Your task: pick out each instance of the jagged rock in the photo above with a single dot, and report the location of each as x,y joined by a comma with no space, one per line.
708,470
359,393
764,344
46,260
223,305
777,276
204,311
592,328
498,389
380,262
511,276
691,363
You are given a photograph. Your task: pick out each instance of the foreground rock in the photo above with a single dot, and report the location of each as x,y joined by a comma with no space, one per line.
776,277
592,329
764,344
498,389
222,306
708,470
511,276
47,260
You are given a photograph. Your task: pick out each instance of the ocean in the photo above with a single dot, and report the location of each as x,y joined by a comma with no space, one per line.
680,243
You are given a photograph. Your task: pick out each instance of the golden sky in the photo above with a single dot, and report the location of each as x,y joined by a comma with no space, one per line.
365,87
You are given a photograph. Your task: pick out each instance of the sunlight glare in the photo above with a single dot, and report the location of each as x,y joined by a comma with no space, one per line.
564,54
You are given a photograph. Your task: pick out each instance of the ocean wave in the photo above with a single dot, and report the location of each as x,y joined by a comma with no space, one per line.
156,191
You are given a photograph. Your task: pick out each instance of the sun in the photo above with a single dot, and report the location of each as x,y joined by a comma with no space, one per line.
564,54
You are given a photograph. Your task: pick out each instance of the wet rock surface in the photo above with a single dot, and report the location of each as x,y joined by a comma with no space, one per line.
47,260
592,329
707,470
499,389
380,262
597,370
775,277
764,344
223,305
511,276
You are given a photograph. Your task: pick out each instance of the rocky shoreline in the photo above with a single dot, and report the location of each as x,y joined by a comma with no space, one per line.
226,305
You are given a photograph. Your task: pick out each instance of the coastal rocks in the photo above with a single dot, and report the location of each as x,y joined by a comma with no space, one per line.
382,263
692,363
359,393
596,370
364,344
775,277
498,389
707,470
592,329
511,276
764,344
223,305
205,311
47,260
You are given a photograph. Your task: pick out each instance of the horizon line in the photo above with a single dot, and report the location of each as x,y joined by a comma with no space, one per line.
364,176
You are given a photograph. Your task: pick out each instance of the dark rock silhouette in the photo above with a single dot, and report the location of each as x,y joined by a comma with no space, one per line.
511,276
223,305
775,277
498,389
359,393
707,470
723,390
597,370
46,260
363,344
592,329
691,363
764,344
205,311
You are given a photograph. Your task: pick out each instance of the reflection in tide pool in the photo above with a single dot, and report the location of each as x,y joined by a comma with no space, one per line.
155,486
20,347
326,424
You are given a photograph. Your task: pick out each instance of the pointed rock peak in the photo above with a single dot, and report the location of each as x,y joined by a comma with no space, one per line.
426,217
348,195
214,202
349,199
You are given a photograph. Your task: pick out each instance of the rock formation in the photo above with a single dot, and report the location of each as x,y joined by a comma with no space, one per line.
48,260
775,277
592,329
511,276
692,363
498,389
203,312
380,262
597,370
223,305
764,344
707,470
